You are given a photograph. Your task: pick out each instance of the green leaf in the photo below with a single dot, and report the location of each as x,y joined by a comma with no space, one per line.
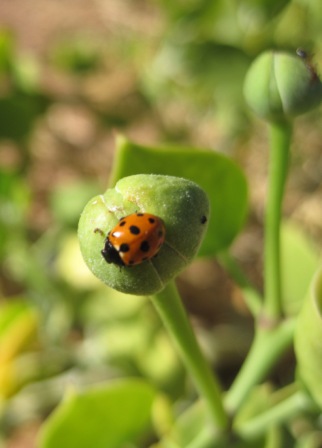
105,416
18,328
299,263
221,178
6,49
189,425
308,341
261,11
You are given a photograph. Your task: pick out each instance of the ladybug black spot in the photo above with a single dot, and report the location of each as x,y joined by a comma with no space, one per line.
152,220
145,246
134,230
124,247
140,214
122,223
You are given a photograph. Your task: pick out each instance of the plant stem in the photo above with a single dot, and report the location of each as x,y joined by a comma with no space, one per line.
169,306
279,155
281,412
267,347
272,336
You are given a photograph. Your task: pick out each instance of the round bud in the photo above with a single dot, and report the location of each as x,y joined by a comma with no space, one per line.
280,85
181,206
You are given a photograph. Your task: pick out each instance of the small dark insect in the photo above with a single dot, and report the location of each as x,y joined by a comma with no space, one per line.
97,230
302,53
307,58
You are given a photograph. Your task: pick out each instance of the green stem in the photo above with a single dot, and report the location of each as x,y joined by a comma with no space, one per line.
169,306
270,340
267,347
297,403
282,406
279,155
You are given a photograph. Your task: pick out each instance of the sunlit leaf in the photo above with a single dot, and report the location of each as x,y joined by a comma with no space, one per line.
308,341
300,261
110,415
18,328
220,177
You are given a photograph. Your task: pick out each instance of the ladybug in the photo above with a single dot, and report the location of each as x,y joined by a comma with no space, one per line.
307,58
136,238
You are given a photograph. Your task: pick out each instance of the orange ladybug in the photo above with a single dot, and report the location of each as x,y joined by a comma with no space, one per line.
136,238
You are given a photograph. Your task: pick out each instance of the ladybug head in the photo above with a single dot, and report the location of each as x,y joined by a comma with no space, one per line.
111,255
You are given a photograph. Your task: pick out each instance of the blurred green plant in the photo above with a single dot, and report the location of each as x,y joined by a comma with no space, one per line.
61,326
273,331
204,38
78,55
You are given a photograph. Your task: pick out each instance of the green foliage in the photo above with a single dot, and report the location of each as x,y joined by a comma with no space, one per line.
296,276
220,177
18,326
6,50
18,332
78,56
124,407
179,82
14,202
67,201
17,115
308,338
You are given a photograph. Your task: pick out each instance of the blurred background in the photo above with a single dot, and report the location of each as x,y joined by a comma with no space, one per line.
73,75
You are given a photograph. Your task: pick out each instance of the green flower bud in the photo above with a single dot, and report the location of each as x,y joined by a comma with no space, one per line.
181,204
280,85
308,341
